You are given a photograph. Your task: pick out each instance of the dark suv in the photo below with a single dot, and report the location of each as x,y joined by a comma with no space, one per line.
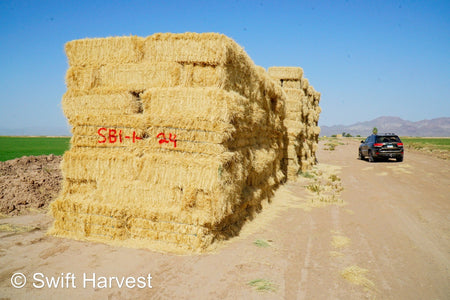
381,146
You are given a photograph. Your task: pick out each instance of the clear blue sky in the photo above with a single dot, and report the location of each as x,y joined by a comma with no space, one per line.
367,58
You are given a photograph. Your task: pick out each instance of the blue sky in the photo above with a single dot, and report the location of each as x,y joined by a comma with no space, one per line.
367,58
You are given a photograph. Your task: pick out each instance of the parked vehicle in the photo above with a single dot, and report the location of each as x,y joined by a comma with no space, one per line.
381,146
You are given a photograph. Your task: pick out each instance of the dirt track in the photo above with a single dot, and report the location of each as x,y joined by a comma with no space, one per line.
391,219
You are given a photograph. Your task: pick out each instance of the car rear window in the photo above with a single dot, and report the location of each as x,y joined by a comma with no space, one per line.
388,139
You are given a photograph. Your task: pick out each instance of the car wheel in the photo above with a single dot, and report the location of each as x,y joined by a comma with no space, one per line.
400,158
371,158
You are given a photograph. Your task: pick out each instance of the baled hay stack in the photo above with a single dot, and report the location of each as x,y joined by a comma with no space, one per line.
177,138
311,118
289,78
302,115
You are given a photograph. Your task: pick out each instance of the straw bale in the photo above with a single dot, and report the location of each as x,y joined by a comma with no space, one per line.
260,69
318,110
314,148
292,152
207,104
316,130
292,124
317,96
121,163
285,73
297,132
293,169
205,48
98,51
108,121
132,77
292,84
294,116
294,105
125,228
311,118
117,178
304,83
294,94
113,104
205,75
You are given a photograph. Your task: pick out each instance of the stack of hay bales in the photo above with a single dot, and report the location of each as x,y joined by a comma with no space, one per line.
302,116
177,138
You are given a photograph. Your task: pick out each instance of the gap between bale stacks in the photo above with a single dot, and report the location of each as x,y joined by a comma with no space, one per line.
177,139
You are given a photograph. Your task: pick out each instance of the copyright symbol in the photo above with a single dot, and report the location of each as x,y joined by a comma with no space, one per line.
18,280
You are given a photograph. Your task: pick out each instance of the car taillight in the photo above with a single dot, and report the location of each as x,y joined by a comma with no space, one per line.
378,144
399,144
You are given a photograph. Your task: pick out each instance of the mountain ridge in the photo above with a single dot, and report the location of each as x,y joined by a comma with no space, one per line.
438,127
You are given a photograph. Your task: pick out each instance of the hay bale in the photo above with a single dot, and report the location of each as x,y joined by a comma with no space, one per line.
174,145
285,73
124,103
202,48
304,83
302,114
112,50
292,84
129,77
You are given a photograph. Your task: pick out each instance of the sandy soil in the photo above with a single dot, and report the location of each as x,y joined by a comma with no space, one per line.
28,183
360,230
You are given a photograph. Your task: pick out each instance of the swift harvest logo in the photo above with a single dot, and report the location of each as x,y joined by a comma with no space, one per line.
87,280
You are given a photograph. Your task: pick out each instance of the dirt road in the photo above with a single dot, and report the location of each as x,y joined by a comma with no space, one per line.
359,230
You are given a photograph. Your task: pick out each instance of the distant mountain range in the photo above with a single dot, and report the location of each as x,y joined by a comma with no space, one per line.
435,127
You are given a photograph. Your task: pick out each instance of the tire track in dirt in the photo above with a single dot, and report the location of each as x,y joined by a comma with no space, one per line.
302,286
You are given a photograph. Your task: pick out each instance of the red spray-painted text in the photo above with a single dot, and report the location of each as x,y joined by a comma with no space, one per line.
115,137
112,136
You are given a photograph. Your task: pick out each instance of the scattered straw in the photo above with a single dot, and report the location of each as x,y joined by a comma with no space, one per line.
336,254
262,243
340,241
356,275
263,285
17,228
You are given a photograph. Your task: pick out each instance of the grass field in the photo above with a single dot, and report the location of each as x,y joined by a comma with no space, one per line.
431,144
13,147
438,146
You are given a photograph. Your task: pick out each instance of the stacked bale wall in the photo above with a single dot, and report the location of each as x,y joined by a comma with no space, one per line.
302,116
177,138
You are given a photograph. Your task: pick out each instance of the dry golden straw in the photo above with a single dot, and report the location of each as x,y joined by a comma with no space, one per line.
302,116
177,139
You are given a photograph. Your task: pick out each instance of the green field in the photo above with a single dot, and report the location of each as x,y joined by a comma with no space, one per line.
442,144
439,146
13,147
